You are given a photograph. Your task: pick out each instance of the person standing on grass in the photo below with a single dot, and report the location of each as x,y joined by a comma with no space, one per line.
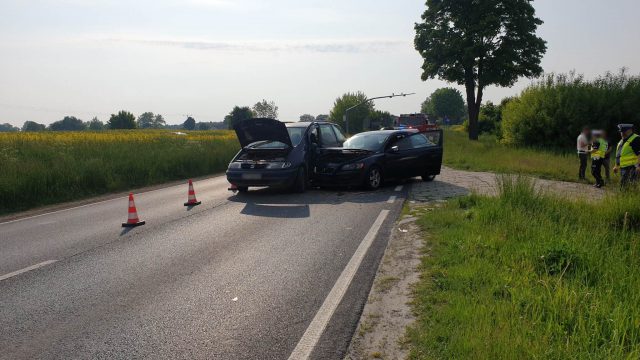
606,163
627,161
599,148
583,152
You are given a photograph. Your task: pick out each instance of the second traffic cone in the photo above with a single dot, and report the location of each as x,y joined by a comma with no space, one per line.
133,219
191,201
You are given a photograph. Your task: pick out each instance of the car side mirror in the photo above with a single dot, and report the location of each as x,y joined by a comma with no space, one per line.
394,148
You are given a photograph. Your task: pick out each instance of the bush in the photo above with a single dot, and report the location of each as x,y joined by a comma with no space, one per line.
553,111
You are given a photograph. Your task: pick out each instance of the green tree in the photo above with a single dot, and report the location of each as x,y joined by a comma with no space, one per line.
6,127
478,44
236,115
189,124
33,126
146,120
322,117
123,120
357,116
444,103
265,109
95,124
158,122
69,123
307,118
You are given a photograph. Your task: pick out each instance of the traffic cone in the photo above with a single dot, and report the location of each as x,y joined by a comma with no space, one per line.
133,219
191,201
233,187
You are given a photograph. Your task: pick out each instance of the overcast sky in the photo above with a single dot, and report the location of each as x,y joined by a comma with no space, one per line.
201,57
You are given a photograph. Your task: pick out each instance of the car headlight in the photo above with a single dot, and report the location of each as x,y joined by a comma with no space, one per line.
356,166
235,165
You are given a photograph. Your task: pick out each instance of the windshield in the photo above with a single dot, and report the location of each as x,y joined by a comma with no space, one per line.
296,134
411,121
367,141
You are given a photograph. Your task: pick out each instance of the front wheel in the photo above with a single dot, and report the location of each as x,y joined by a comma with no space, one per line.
428,178
373,179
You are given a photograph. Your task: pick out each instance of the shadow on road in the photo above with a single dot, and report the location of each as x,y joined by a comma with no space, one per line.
266,202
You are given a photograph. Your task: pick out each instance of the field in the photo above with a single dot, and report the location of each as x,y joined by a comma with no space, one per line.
49,167
489,155
530,276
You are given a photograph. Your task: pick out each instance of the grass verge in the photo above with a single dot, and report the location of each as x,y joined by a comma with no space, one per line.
487,154
52,167
530,276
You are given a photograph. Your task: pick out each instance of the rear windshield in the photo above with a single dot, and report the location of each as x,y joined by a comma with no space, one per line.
296,134
366,141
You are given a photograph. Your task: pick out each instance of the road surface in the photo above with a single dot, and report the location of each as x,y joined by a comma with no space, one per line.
263,275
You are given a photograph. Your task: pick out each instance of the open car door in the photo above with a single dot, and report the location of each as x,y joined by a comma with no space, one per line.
433,151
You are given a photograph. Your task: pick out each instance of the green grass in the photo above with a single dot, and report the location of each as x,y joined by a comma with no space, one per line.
530,276
489,155
51,167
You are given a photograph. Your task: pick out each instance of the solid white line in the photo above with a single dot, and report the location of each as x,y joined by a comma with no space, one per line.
392,199
96,203
319,323
398,188
32,267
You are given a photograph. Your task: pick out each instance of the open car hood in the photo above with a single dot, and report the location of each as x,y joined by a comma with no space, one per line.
253,130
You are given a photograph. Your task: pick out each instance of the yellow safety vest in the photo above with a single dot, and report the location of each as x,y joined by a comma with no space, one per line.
625,152
601,151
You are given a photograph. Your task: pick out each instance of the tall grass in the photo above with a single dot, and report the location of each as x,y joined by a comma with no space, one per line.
530,276
488,154
49,167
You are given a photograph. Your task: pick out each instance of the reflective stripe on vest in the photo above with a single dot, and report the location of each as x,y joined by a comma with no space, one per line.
625,152
601,151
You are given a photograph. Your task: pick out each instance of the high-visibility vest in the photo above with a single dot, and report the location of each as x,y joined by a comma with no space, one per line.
625,152
601,151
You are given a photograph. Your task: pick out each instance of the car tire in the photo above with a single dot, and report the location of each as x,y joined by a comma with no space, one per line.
373,178
243,189
300,185
428,178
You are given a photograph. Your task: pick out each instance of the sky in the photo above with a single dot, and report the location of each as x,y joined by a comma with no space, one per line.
89,58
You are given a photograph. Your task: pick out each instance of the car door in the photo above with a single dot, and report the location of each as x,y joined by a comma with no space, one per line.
430,153
398,157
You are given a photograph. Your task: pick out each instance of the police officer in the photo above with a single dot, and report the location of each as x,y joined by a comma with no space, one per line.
627,161
599,148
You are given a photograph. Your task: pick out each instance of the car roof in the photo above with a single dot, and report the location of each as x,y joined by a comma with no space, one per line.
305,124
388,132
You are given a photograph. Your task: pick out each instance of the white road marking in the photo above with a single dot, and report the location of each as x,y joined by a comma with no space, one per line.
398,188
311,336
32,267
392,199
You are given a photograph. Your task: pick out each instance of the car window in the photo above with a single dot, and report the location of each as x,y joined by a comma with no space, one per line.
327,136
339,135
419,141
433,137
404,144
296,134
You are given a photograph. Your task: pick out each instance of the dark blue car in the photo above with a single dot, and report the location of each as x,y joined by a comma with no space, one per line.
277,154
368,159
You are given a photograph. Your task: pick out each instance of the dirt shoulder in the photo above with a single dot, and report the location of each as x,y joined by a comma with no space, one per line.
381,331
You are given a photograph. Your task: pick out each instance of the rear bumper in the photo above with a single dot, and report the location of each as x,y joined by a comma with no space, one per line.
271,178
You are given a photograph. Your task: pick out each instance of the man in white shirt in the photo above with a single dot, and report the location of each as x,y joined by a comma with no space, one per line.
583,152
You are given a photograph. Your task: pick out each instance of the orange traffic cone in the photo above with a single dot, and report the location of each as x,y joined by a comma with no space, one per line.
133,219
191,201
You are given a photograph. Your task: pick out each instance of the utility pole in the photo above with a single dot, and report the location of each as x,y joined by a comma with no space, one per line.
345,117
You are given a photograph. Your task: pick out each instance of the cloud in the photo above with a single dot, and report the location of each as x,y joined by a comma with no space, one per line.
312,46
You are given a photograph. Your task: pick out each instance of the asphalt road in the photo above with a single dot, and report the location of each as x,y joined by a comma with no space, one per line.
252,276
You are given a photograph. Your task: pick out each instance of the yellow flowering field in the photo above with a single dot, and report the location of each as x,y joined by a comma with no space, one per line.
41,168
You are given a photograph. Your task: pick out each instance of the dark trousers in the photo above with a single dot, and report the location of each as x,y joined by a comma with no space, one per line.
596,171
628,176
584,158
606,164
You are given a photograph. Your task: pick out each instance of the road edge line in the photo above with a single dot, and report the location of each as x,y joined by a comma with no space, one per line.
312,335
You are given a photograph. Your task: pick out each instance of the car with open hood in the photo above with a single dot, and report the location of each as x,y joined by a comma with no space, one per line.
278,154
370,158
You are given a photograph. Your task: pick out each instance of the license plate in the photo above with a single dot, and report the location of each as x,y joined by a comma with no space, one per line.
252,176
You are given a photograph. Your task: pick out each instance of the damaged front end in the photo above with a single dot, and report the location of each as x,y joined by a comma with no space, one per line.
341,167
